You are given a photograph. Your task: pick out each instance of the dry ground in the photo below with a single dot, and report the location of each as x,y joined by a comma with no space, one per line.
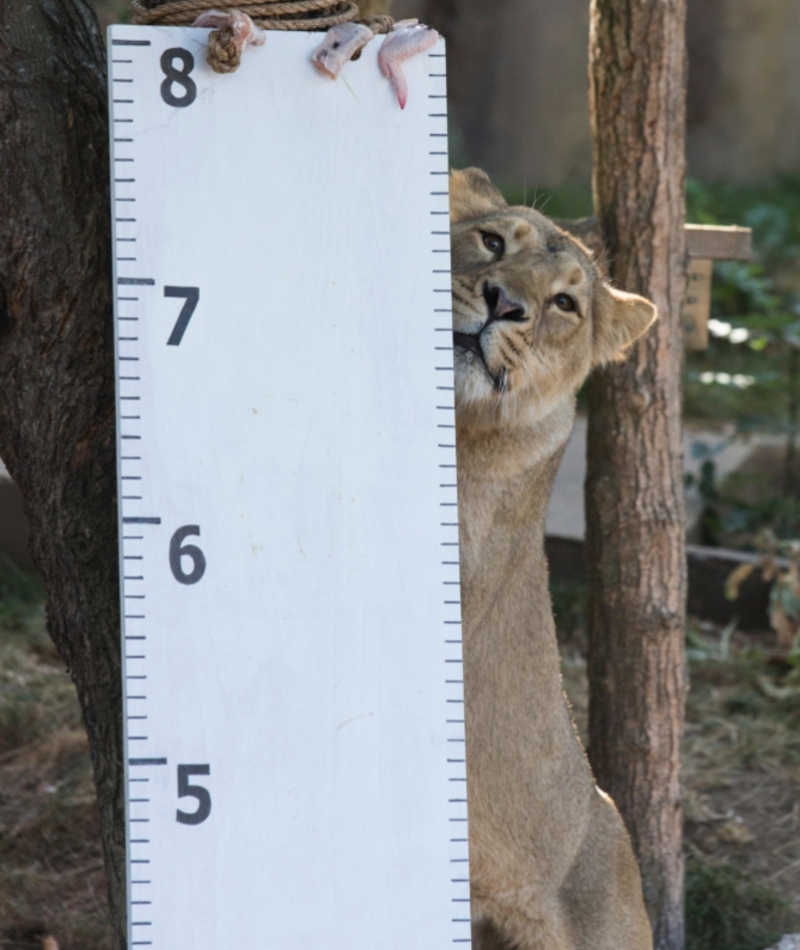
742,778
51,871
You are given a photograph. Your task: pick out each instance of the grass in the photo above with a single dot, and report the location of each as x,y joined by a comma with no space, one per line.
727,910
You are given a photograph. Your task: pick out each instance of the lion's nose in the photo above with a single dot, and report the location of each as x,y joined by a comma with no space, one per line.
499,305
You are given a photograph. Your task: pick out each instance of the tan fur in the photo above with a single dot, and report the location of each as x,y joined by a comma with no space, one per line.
551,864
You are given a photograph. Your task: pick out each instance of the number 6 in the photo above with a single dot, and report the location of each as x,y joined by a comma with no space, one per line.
176,552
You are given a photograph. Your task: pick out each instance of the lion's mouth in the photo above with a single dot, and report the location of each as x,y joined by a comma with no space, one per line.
471,342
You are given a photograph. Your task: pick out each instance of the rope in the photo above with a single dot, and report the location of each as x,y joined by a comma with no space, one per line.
268,14
378,22
223,55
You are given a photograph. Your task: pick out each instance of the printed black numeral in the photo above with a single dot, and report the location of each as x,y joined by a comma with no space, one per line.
202,794
191,295
178,77
177,550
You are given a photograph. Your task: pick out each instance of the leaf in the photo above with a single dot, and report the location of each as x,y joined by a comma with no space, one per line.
768,688
735,831
793,578
791,334
769,569
784,628
725,639
736,578
785,596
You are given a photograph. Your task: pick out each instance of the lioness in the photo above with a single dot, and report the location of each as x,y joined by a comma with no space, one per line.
551,863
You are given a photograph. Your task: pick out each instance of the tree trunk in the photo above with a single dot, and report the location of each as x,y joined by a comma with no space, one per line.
634,488
57,363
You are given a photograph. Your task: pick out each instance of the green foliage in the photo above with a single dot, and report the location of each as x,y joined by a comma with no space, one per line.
750,373
772,210
737,512
728,910
755,309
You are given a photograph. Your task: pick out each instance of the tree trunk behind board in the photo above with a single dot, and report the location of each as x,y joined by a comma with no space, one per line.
634,489
56,360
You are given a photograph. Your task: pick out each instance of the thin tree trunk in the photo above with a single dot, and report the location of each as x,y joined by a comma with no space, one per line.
56,360
634,489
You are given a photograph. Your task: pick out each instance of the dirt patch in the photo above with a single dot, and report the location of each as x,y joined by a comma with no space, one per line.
52,880
741,776
742,762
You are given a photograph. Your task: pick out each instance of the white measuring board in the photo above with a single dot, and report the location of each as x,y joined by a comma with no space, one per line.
294,705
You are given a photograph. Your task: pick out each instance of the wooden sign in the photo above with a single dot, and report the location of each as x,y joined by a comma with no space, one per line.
705,244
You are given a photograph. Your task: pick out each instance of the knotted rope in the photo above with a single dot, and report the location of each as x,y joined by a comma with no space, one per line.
223,56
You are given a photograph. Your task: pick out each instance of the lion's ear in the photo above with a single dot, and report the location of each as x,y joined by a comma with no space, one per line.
472,195
619,319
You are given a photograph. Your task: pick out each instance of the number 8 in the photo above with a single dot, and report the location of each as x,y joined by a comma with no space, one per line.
178,76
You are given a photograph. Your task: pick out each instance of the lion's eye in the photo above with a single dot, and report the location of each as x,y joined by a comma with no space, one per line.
493,242
564,302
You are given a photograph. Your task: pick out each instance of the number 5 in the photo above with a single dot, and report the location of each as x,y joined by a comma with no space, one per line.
202,795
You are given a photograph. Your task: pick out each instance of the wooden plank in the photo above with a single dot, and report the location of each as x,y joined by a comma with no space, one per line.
704,241
716,243
697,306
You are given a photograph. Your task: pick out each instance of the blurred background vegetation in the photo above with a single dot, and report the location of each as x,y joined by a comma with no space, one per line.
748,380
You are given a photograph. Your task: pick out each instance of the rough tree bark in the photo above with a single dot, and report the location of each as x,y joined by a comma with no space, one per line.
634,490
56,360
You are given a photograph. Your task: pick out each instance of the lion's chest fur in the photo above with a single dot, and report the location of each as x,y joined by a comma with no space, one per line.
526,771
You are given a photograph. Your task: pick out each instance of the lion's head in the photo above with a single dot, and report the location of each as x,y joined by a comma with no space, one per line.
532,314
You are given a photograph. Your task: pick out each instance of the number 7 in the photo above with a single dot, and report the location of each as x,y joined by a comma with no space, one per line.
191,296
